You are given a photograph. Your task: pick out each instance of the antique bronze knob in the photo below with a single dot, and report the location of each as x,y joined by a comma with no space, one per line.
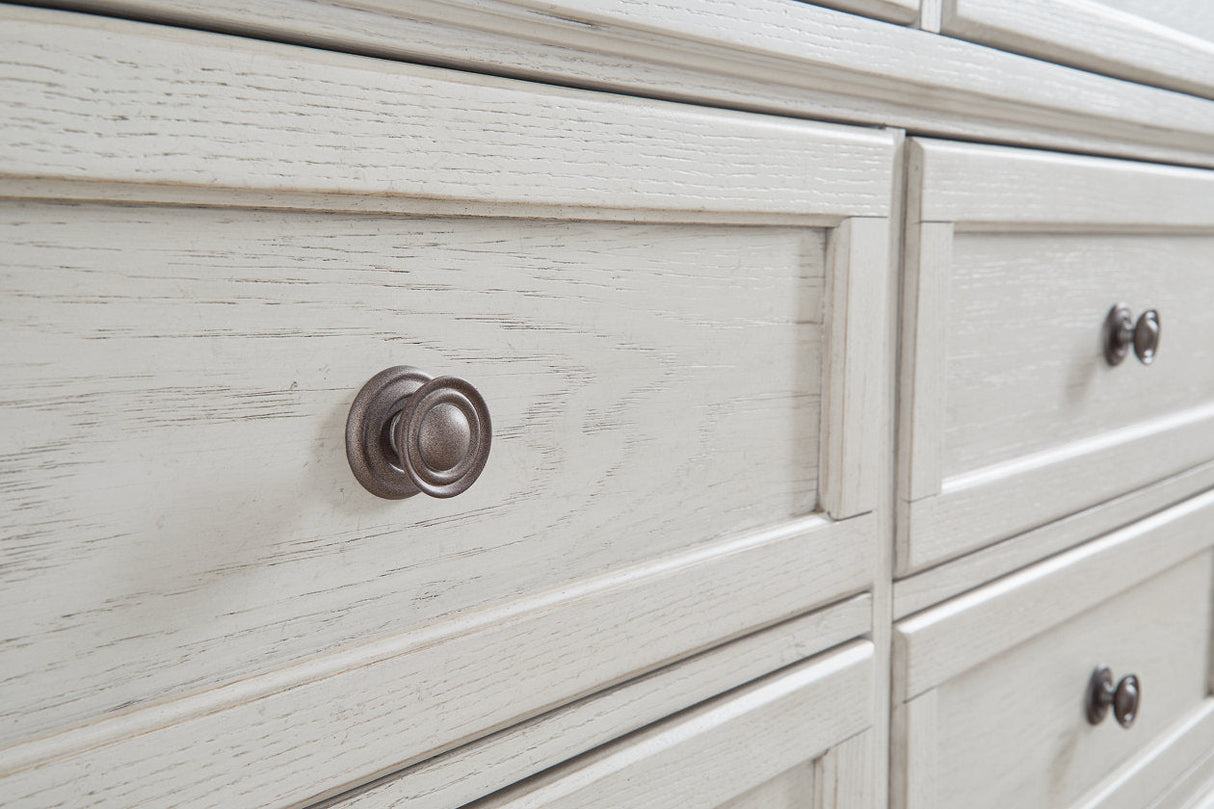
1124,697
408,432
1121,332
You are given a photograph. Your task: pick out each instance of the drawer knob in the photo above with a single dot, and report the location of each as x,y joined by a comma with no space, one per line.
1123,697
1121,332
408,432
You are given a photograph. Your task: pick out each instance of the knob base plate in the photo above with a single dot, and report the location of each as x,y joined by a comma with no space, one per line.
369,449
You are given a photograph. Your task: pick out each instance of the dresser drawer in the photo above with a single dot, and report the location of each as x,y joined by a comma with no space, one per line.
1168,43
1012,416
1004,674
797,738
202,268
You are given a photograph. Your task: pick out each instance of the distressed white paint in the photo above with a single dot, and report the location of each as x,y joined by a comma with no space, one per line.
1025,704
1147,42
494,762
719,750
774,56
1023,418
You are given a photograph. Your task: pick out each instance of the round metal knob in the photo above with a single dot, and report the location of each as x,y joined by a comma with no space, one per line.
1146,336
408,432
1124,697
1121,332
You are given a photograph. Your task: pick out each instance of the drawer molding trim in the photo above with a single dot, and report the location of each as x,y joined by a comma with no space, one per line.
955,188
412,131
727,745
507,757
1088,35
940,643
770,55
567,640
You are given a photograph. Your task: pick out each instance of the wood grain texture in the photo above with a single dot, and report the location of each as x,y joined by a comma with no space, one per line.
719,750
772,56
902,11
1163,775
520,751
940,643
936,584
197,109
1030,415
1096,36
162,361
858,271
320,728
844,777
1159,629
983,187
927,264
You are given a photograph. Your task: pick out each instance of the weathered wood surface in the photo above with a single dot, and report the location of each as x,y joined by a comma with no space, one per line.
1167,44
774,56
704,757
518,752
1011,415
1159,630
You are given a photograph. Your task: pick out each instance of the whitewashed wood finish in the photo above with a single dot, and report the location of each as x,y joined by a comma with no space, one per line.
765,55
255,116
845,777
518,752
1096,36
332,723
1011,730
926,265
940,643
902,11
258,325
791,789
718,750
1023,417
858,267
982,187
161,361
937,584
1166,766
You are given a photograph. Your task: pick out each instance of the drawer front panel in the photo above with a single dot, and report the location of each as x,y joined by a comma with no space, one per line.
179,380
677,355
1011,414
797,733
1167,43
1002,674
1046,383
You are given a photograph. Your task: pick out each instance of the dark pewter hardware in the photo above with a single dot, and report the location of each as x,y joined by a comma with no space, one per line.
408,432
1121,332
1124,697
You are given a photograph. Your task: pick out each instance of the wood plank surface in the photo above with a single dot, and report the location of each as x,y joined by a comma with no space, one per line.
718,750
184,109
1158,629
1143,46
520,751
772,56
940,643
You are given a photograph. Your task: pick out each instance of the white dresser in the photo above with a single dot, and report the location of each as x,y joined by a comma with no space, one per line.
817,404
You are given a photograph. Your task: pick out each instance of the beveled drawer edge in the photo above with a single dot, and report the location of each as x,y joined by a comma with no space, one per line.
983,187
1091,36
1165,761
936,584
399,130
737,586
508,756
773,56
989,505
822,701
1026,603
